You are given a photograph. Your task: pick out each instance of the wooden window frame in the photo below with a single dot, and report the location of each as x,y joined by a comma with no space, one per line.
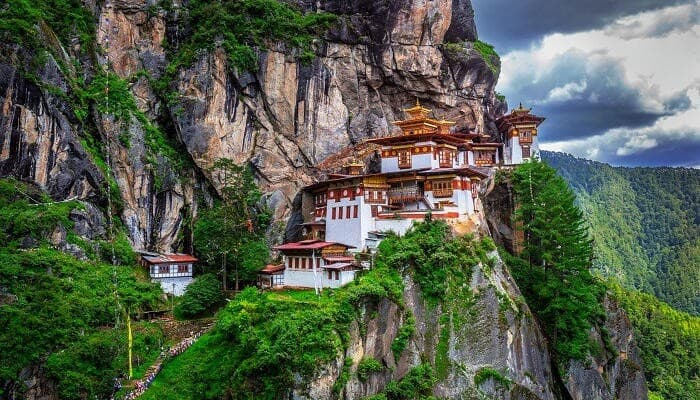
404,158
355,209
526,151
445,158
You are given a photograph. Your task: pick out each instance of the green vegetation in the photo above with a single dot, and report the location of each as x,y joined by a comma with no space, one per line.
644,222
433,255
264,342
552,269
242,28
201,295
669,341
58,307
486,373
416,385
487,51
20,20
233,230
29,213
367,367
406,331
87,367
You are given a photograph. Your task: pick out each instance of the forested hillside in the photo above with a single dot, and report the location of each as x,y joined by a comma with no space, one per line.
645,223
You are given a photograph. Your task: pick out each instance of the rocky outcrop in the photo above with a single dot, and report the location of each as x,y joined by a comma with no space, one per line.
283,119
38,139
493,330
616,372
489,329
287,117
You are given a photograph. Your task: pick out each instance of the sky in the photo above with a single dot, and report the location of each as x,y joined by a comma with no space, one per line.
617,80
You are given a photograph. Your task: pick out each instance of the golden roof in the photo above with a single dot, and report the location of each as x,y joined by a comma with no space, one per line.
417,110
521,109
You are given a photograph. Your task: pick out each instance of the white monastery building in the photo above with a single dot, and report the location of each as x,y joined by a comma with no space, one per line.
424,169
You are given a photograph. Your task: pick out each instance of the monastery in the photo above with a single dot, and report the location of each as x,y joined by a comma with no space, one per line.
424,169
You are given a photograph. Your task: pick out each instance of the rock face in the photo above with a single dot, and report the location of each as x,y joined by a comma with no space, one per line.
494,331
38,139
283,119
615,373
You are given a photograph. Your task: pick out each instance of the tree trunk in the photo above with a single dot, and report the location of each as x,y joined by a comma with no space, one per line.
223,262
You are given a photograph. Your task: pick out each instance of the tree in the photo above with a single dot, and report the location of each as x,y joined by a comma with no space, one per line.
233,230
553,270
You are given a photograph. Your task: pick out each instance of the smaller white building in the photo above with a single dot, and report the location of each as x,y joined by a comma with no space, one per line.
518,131
317,264
172,271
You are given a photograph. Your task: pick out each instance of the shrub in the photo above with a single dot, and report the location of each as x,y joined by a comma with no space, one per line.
486,373
200,296
367,366
406,331
417,384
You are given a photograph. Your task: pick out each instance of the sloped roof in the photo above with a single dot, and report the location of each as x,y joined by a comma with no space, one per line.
271,269
312,244
169,258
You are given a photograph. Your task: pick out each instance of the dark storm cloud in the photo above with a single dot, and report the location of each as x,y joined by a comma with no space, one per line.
583,97
676,152
665,22
512,24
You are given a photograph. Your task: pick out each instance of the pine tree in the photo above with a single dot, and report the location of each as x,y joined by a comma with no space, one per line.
553,270
232,232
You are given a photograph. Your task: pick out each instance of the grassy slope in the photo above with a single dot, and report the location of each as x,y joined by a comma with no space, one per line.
58,310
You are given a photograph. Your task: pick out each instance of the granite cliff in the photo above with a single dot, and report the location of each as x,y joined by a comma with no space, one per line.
283,118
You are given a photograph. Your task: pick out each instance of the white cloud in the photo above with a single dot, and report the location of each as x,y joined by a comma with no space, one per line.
643,65
682,127
569,91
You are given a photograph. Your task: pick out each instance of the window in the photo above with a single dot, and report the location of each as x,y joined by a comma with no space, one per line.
445,157
337,275
329,274
442,188
183,269
354,211
340,212
526,151
375,211
404,158
333,212
526,136
347,212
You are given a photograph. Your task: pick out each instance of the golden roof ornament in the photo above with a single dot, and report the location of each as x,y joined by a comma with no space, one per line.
521,109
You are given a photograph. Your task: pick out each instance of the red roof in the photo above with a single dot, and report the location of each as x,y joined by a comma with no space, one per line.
271,269
170,258
312,244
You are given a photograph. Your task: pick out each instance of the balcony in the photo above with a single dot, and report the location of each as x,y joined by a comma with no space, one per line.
403,196
442,192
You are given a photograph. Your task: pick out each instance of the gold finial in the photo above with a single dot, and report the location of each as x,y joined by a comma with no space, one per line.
417,102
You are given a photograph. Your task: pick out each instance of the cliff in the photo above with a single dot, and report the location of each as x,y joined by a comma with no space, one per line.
283,118
483,341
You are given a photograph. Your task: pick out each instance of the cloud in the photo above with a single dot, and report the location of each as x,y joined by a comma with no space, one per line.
613,94
656,23
670,140
516,24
